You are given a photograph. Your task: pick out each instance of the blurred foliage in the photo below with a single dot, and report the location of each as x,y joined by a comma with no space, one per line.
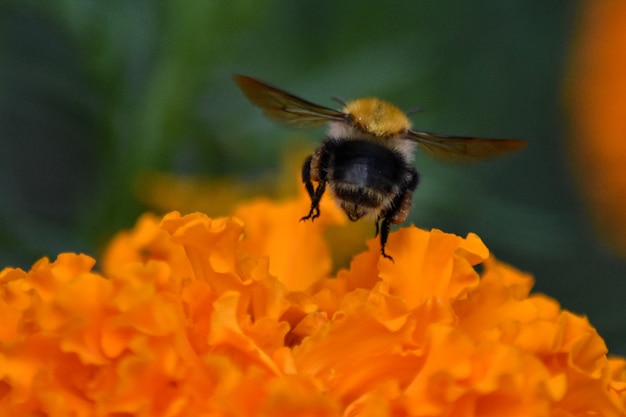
95,95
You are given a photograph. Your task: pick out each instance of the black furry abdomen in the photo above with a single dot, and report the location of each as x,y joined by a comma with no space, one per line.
365,173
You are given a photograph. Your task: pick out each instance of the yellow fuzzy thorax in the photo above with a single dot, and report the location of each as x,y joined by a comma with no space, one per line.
377,117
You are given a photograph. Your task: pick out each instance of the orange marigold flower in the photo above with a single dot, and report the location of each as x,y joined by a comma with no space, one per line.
596,97
240,316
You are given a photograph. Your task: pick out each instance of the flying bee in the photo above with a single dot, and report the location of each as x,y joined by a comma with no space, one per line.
367,158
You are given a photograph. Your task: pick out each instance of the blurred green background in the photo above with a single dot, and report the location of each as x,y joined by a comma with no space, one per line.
95,94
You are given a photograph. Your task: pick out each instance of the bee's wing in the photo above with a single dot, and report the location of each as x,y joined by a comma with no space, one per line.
460,148
281,106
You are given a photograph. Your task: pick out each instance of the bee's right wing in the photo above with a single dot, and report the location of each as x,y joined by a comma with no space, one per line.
284,107
461,148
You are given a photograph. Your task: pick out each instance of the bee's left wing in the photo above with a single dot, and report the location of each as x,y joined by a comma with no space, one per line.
284,107
461,148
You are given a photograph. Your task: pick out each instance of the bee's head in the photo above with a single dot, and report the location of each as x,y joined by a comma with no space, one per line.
377,117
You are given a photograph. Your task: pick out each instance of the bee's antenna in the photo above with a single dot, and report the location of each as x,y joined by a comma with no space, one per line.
339,100
414,110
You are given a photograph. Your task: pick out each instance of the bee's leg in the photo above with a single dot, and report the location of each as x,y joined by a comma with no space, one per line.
314,167
314,213
306,177
402,204
385,227
399,211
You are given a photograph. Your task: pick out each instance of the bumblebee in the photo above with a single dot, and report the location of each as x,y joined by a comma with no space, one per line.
366,161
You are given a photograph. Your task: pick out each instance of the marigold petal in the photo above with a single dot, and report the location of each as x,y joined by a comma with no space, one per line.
363,272
158,317
14,299
145,242
497,308
83,301
227,335
356,351
267,333
379,402
461,378
436,386
432,312
617,384
431,264
198,298
114,339
209,244
587,351
310,325
46,277
276,231
293,396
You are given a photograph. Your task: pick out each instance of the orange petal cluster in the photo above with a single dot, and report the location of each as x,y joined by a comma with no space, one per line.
187,317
